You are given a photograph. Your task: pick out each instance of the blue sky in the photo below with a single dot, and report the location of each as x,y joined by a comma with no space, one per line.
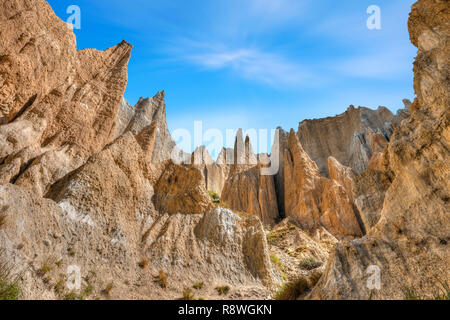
255,63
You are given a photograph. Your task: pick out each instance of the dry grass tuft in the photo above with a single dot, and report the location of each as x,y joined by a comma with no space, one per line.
309,263
108,289
187,294
9,284
298,288
223,290
71,252
292,290
3,217
275,236
441,292
163,279
198,286
143,263
59,286
47,266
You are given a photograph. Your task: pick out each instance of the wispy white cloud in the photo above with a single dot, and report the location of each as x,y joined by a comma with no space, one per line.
252,64
278,43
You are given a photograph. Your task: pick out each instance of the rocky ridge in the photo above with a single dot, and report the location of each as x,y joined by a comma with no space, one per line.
349,137
87,185
90,183
409,244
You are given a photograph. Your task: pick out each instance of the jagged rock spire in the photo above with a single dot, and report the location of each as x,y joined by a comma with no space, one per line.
201,156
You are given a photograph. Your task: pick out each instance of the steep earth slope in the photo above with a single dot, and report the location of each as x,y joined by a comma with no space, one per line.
90,190
312,200
346,137
409,244
256,194
57,105
85,194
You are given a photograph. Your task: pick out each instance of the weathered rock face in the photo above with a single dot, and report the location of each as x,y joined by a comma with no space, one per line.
215,248
312,200
85,183
27,57
369,189
226,156
224,228
341,174
298,252
123,118
214,174
120,175
216,177
181,189
63,101
108,246
409,244
93,222
257,195
302,185
66,133
201,156
147,140
277,158
151,110
102,220
345,137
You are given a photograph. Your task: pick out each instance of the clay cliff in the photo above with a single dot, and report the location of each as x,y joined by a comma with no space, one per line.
214,173
94,188
409,244
58,105
257,195
145,112
349,137
312,200
86,183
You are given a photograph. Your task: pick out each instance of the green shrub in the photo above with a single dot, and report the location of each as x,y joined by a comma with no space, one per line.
72,295
214,197
9,284
187,294
223,290
310,263
275,260
198,286
292,290
9,290
442,292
